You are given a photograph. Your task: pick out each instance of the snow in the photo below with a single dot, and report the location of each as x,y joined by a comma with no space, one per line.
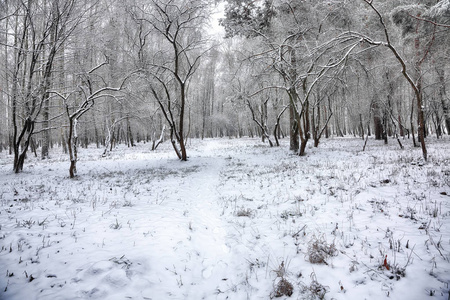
230,223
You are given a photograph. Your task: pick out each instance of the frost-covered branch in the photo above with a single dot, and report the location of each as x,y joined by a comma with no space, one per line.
405,73
429,21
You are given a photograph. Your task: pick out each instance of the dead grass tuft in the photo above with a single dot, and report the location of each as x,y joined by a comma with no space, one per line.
283,288
315,290
319,250
244,212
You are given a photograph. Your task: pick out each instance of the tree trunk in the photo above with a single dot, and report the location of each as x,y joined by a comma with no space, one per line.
294,118
129,134
337,122
443,98
181,124
72,146
315,122
327,133
361,126
63,141
69,147
412,123
7,98
46,104
421,120
276,128
436,119
304,123
399,118
72,168
45,122
377,123
19,158
85,138
418,93
293,122
33,147
385,125
320,132
96,135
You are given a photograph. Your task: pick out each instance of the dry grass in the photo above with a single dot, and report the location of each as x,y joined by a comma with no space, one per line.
319,250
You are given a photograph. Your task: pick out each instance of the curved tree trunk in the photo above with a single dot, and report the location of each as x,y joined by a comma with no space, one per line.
416,87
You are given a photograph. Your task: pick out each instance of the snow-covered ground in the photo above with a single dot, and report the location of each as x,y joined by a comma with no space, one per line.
239,220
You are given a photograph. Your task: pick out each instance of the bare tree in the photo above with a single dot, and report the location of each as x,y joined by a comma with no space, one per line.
262,120
36,42
176,24
415,85
88,94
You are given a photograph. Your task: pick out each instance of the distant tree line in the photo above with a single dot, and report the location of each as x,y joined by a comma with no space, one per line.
80,73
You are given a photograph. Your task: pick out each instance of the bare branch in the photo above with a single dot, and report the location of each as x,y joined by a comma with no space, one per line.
429,21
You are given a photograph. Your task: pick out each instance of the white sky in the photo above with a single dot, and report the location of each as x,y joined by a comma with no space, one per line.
218,13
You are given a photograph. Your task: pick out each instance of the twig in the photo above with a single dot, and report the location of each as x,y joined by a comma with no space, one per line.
429,21
296,234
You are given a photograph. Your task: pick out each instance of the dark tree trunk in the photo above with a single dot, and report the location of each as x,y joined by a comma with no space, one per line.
63,141
421,121
293,122
361,126
72,168
96,135
46,133
19,157
327,132
412,124
377,123
33,147
71,145
399,118
130,134
443,97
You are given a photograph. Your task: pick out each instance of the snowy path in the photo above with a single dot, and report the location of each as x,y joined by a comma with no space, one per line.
193,235
186,239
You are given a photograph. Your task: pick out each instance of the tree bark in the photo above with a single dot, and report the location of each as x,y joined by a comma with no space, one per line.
443,97
293,122
71,145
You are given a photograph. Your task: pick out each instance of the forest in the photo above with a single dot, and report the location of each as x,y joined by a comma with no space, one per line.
212,149
75,73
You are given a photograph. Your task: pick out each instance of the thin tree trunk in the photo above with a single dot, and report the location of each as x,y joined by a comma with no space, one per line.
181,124
70,140
327,132
399,118
443,97
294,119
293,122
